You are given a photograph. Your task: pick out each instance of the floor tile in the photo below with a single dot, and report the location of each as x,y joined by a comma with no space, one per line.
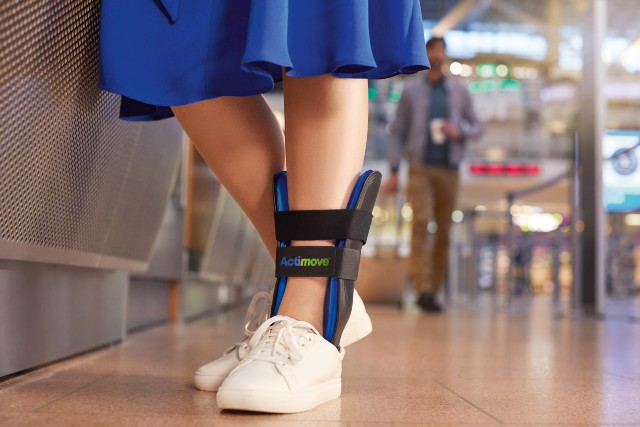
470,366
606,400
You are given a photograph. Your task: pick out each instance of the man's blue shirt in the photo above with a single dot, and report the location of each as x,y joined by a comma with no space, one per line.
437,154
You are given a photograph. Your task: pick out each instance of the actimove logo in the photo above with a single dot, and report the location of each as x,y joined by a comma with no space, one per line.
304,262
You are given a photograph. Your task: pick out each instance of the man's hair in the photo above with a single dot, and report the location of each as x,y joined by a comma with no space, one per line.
433,40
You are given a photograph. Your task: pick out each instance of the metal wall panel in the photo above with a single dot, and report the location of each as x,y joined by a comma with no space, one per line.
200,298
147,303
77,185
166,261
48,312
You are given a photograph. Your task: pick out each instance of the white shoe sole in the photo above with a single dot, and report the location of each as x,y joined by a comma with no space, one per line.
279,403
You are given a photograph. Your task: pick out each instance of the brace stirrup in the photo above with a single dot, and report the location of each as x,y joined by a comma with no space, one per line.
348,227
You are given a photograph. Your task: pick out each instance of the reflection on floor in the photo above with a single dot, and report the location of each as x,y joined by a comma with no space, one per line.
623,307
469,366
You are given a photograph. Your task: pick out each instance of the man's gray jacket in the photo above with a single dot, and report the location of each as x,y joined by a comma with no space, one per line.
410,127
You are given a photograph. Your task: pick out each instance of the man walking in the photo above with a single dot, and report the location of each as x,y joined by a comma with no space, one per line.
434,120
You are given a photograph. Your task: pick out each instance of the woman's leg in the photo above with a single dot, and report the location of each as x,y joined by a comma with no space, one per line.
236,135
326,130
325,127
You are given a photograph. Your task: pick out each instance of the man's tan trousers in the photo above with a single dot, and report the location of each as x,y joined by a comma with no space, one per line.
432,193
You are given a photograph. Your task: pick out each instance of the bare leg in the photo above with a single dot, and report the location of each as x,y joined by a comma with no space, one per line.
241,141
326,131
326,134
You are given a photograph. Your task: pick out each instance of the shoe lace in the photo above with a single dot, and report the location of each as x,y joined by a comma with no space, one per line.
280,339
257,316
257,313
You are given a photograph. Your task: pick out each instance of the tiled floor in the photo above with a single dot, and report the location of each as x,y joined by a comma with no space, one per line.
467,367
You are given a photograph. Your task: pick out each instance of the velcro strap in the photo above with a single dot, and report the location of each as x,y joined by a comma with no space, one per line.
334,224
317,261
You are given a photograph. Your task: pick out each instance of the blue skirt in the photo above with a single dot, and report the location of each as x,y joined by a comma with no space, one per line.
161,53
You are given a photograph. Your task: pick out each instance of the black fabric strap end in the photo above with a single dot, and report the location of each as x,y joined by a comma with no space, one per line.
337,224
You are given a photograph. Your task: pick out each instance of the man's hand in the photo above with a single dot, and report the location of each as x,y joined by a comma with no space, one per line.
391,186
452,132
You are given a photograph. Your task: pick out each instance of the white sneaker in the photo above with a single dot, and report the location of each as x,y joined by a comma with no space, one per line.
291,368
359,324
208,377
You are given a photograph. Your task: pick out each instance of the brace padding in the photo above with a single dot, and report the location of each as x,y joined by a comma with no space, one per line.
317,261
330,224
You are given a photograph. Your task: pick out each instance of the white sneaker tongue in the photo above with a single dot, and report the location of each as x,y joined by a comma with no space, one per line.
279,334
274,330
276,343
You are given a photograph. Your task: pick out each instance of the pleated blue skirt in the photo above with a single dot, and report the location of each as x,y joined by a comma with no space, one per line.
161,53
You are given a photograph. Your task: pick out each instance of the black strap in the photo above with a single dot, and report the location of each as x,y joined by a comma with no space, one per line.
317,261
323,224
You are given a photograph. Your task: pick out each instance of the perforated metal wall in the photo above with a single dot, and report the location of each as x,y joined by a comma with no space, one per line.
77,185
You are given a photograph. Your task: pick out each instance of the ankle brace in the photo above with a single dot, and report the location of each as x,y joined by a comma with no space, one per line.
340,263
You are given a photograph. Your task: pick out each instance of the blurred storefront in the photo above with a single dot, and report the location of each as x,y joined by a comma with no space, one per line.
524,63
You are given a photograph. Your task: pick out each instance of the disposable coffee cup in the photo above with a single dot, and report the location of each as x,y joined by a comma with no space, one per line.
437,135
